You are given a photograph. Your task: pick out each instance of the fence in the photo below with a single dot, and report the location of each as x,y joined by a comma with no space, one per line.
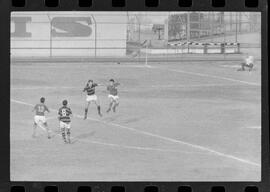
80,34
132,35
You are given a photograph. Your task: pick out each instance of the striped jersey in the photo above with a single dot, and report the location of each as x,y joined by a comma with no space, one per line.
40,109
113,89
64,114
90,89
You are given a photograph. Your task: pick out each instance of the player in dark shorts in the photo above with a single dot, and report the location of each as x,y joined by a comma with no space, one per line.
113,95
64,117
40,118
91,97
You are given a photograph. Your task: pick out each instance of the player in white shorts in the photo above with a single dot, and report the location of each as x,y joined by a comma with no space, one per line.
91,97
113,95
64,117
39,118
249,63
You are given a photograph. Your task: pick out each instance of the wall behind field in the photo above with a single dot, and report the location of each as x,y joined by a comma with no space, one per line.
60,34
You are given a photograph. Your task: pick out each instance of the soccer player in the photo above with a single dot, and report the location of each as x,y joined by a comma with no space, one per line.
113,95
249,63
39,117
64,117
91,97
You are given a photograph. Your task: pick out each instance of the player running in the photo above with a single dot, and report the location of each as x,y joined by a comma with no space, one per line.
249,63
64,117
113,95
39,117
91,97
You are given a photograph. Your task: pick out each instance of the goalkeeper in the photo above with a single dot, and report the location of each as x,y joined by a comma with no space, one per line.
249,63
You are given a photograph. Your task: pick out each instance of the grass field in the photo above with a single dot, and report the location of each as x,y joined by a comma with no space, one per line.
185,121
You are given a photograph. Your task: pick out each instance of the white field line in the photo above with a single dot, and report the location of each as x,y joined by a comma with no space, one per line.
143,148
188,72
112,144
195,85
41,87
253,127
123,89
230,66
209,76
86,65
126,146
48,118
228,156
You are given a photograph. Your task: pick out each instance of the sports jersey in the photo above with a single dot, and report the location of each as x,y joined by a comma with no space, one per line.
112,88
40,109
90,89
249,60
64,114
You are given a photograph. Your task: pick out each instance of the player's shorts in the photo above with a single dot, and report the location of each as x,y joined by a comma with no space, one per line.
39,119
91,98
65,125
249,65
114,97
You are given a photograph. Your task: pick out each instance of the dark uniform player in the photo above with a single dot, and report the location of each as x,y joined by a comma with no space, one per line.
91,97
113,95
65,121
40,110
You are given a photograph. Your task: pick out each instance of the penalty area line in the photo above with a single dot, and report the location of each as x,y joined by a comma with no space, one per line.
209,76
45,87
253,127
138,148
195,146
110,144
144,87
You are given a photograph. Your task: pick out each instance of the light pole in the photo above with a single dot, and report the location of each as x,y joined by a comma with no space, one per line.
236,26
50,35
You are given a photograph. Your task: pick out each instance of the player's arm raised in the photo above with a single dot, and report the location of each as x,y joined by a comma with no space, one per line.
34,109
47,109
102,84
97,84
59,114
85,87
70,113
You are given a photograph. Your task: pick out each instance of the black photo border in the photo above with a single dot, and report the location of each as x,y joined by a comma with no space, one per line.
130,5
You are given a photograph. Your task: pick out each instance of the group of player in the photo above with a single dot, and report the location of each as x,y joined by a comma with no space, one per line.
65,113
92,98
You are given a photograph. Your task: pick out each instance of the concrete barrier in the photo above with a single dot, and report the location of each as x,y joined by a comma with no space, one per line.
204,48
54,34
